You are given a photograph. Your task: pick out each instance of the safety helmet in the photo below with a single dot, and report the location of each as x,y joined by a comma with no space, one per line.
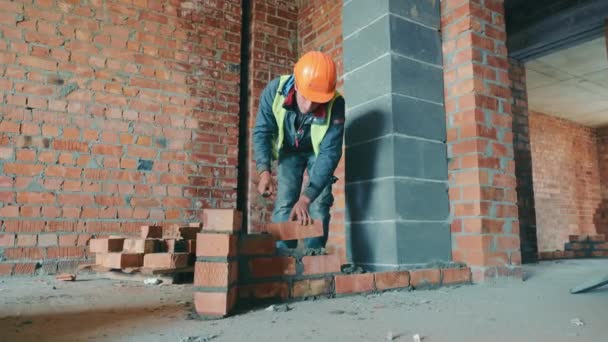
315,74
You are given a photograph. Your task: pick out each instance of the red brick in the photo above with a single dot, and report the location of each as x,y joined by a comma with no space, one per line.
456,275
45,240
354,283
24,268
222,220
294,231
215,304
425,277
67,145
107,150
7,240
216,245
68,240
166,260
37,62
23,169
139,245
272,267
75,199
9,127
26,240
65,252
181,232
23,253
106,245
24,226
321,264
35,197
275,290
257,244
6,153
6,269
215,274
151,232
392,280
119,260
7,197
311,288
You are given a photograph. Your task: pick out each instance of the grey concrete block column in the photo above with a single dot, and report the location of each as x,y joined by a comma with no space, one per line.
396,161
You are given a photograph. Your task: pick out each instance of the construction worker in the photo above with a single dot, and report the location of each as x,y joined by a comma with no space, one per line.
300,123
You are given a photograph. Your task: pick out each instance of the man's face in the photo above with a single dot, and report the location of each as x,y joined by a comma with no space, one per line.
305,105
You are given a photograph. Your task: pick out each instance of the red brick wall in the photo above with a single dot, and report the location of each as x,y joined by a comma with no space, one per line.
320,28
566,179
112,114
273,53
485,227
601,215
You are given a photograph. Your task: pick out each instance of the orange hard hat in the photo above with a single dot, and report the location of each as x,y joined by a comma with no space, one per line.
315,74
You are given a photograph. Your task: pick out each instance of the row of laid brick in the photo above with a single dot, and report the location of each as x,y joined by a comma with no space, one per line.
551,255
219,303
587,238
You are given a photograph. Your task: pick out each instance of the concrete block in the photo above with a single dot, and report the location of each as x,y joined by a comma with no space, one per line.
420,159
419,200
422,11
372,242
415,79
423,242
368,82
359,13
370,120
368,44
422,43
418,118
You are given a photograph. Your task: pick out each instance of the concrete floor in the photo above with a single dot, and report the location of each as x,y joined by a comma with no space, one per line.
538,309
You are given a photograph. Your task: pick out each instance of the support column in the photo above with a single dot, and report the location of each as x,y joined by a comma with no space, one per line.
396,166
523,162
482,180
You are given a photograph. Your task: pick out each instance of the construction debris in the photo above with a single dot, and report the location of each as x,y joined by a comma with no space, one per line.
66,277
577,322
152,281
278,308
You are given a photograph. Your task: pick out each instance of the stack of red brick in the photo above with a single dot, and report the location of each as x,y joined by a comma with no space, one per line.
580,246
157,248
247,268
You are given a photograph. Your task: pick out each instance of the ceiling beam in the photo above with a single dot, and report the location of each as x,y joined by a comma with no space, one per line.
557,30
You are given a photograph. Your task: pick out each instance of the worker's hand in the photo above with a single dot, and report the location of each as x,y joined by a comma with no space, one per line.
300,211
265,186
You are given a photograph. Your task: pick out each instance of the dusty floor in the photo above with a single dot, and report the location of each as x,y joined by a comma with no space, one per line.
539,309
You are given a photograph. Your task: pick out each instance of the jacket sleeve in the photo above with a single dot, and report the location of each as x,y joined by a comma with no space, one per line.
265,128
330,152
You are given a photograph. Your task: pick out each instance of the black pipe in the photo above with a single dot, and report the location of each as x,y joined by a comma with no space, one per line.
242,199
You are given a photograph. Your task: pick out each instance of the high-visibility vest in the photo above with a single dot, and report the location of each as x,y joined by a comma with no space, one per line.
317,130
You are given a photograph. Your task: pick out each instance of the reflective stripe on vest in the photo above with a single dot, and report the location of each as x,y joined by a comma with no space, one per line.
317,131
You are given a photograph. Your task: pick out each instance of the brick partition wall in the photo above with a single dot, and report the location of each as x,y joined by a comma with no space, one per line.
566,179
112,113
273,52
601,215
320,28
485,227
226,257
